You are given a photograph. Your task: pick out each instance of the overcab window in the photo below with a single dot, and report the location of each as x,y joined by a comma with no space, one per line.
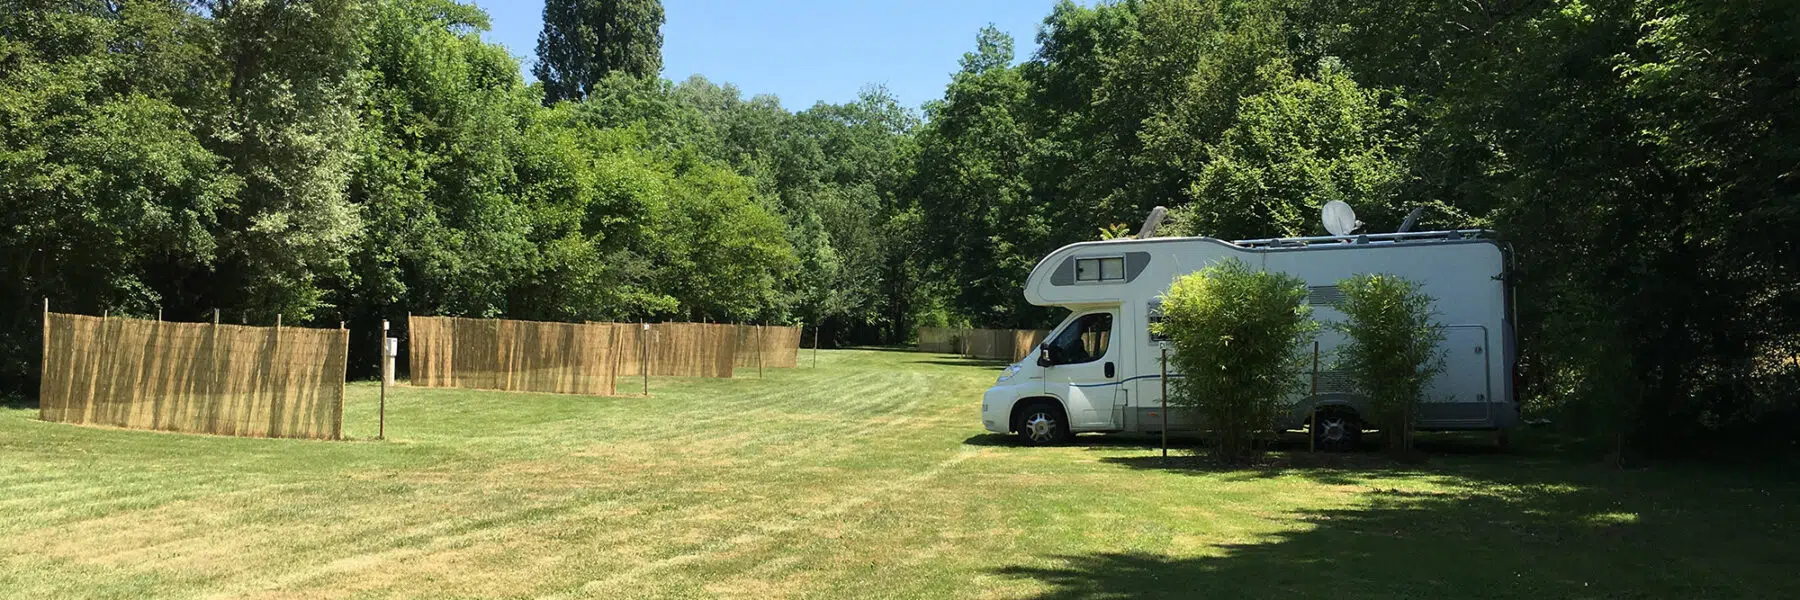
1111,268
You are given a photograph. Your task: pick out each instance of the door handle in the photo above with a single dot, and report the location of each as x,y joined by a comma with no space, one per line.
1109,370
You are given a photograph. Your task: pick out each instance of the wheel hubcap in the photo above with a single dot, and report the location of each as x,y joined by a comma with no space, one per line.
1040,427
1332,430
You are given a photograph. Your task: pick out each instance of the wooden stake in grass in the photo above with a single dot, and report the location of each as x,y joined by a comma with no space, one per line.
1165,400
1312,435
816,329
381,414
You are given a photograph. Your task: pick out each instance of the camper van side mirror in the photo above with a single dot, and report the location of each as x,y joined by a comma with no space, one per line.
1044,357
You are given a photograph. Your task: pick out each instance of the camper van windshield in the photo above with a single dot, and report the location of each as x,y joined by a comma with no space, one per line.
1084,340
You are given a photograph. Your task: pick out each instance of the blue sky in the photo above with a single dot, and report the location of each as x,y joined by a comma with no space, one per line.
807,51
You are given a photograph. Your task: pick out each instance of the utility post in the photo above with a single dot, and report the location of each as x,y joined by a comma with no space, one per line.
1165,400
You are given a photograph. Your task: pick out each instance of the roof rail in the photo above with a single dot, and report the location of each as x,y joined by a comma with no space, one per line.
1365,238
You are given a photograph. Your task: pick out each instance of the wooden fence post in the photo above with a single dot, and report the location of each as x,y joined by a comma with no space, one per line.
337,423
211,403
616,350
212,397
44,368
759,351
270,379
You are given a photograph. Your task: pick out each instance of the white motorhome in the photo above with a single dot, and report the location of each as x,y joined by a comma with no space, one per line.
1104,374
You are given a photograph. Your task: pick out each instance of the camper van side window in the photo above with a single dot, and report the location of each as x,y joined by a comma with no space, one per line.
1085,340
1111,268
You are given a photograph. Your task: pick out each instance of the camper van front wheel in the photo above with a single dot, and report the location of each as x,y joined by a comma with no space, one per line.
1041,424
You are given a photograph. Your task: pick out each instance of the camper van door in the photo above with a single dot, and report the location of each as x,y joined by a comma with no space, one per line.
1084,369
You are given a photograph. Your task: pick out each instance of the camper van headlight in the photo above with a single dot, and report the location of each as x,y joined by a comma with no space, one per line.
1010,371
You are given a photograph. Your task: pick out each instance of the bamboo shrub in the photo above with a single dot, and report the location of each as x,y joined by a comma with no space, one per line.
1237,335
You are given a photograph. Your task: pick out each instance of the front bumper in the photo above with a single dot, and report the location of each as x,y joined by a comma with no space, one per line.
996,408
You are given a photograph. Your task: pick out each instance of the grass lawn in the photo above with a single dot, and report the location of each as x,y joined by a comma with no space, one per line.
866,477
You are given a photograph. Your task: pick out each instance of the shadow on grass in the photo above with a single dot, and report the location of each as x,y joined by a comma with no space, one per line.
1496,531
960,362
991,439
1089,441
1289,443
1291,455
1321,467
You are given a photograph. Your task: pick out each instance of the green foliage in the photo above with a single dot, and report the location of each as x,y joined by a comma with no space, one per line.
584,41
718,249
1640,155
1237,334
1391,348
446,122
1300,143
982,227
286,127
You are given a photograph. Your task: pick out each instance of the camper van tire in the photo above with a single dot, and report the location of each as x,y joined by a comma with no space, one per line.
1337,430
1041,423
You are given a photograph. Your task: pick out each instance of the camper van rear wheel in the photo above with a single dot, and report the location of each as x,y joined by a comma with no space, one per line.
1336,430
1041,424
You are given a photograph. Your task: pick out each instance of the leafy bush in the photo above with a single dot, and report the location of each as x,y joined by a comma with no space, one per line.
1391,348
1237,334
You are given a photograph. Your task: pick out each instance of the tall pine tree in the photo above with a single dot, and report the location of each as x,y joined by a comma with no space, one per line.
584,40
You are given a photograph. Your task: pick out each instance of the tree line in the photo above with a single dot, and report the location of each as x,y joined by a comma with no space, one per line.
352,160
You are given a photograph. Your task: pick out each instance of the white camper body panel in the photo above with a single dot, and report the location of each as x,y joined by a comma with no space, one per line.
1465,276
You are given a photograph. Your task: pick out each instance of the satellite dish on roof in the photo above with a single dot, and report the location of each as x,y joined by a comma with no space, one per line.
1339,218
